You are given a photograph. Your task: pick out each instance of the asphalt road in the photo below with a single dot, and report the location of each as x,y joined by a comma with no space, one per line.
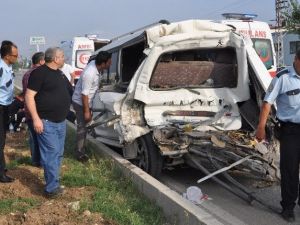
228,208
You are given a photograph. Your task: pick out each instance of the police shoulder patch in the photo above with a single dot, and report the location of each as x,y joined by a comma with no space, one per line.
282,72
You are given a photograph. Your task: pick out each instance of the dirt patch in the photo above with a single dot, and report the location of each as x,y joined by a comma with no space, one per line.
29,184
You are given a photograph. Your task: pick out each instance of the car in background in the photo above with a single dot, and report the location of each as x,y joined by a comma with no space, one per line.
78,51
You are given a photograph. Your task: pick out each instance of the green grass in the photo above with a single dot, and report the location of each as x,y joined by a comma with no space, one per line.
115,196
19,161
17,204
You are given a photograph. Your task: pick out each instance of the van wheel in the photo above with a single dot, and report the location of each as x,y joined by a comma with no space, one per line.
148,157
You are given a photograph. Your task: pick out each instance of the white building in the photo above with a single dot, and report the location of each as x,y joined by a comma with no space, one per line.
291,43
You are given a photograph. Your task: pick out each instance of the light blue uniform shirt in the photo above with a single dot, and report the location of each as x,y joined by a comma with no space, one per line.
6,83
285,89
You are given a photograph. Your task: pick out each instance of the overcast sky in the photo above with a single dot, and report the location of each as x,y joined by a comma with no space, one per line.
59,20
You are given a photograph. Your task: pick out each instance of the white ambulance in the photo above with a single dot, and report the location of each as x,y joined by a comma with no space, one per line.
260,34
77,53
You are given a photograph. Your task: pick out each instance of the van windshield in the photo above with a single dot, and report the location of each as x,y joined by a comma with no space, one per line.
82,58
263,48
199,68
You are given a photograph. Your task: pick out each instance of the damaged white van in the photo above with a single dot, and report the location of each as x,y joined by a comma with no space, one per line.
185,92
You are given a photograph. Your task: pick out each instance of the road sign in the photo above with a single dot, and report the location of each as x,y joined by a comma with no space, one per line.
37,40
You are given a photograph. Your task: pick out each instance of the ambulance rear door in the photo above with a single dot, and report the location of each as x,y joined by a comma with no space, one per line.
260,34
83,48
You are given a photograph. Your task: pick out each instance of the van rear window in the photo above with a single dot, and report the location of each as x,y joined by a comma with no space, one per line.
201,68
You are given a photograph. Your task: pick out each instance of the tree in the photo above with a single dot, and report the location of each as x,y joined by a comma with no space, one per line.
292,17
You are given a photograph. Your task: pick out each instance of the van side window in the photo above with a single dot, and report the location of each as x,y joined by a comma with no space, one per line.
131,58
111,76
200,68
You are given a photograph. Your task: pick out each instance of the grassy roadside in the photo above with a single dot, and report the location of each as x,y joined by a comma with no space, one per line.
111,195
17,204
115,196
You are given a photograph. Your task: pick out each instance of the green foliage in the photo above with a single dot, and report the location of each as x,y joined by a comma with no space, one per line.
125,205
19,161
17,205
292,17
115,197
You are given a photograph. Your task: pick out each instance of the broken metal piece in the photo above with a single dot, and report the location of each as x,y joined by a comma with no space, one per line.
224,169
217,142
189,113
107,122
223,184
241,191
102,112
243,188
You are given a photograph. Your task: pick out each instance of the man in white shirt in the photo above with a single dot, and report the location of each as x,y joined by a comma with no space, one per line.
83,95
69,71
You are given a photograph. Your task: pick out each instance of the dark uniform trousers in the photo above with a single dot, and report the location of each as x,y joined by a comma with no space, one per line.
3,127
289,163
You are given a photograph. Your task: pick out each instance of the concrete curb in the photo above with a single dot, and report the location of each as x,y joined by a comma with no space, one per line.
178,210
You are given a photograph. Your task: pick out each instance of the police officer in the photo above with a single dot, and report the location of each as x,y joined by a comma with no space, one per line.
285,90
9,55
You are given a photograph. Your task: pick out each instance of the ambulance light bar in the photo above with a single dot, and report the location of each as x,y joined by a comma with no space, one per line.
239,16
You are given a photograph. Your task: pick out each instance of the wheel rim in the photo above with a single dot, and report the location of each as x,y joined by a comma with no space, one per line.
142,155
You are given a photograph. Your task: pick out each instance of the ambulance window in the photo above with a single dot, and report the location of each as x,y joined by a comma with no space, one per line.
263,48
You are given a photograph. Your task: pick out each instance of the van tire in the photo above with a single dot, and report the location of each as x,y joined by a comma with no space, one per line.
148,157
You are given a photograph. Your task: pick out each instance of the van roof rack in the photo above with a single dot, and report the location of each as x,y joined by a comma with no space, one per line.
142,28
239,16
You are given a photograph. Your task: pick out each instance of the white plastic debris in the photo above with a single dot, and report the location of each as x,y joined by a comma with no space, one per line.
261,147
75,206
194,194
87,213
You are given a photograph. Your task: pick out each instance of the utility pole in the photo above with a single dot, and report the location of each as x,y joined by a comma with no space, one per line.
281,6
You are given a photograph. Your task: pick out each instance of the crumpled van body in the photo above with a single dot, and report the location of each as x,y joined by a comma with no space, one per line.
184,92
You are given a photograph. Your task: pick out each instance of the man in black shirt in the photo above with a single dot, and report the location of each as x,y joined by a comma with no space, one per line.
48,101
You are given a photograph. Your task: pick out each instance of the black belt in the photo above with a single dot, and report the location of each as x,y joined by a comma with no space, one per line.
3,106
289,124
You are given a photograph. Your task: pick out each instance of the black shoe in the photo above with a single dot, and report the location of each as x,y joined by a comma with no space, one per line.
6,179
36,164
54,194
288,215
82,157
